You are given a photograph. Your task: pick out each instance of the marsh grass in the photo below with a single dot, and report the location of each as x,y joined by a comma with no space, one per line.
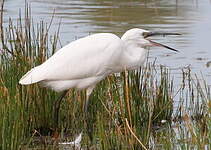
131,110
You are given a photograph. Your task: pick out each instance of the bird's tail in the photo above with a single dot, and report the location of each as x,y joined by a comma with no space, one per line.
32,76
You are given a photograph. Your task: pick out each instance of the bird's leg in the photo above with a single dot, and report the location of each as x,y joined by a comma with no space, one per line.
87,118
57,104
88,93
77,141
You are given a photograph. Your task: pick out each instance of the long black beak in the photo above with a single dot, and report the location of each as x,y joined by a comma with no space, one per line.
149,34
162,45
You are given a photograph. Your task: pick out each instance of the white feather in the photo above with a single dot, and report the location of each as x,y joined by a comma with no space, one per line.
86,61
76,142
32,76
78,64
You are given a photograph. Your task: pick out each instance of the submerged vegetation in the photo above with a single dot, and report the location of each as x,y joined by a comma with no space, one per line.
140,109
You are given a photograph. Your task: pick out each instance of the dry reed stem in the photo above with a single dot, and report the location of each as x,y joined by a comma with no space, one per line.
127,96
131,131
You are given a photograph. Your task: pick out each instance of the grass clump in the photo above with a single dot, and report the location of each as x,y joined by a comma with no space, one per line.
132,108
23,108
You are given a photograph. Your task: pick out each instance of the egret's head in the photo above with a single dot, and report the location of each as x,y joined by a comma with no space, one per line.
140,37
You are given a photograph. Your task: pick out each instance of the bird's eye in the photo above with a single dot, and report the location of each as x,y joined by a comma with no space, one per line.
145,34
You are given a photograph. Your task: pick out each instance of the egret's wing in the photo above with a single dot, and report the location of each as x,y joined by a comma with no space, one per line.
87,57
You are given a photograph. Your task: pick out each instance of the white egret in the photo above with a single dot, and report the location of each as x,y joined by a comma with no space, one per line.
85,62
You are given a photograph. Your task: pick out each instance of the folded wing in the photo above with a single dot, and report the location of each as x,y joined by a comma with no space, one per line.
91,56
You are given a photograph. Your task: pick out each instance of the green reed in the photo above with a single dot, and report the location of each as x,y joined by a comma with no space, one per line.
23,108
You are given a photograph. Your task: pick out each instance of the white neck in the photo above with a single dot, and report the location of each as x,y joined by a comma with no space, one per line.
133,54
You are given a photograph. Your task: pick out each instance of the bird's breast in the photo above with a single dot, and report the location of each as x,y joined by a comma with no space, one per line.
134,58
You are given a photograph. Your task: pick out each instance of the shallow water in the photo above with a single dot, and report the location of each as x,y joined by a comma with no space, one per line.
79,18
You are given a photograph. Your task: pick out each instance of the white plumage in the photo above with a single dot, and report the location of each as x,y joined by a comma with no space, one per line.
81,63
86,61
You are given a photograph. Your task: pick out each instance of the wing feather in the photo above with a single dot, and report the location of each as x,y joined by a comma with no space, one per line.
93,55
